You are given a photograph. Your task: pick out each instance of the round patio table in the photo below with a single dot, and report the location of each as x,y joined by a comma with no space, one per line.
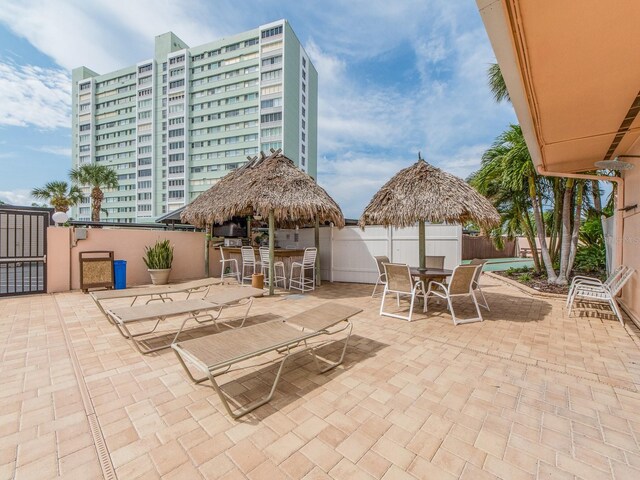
430,273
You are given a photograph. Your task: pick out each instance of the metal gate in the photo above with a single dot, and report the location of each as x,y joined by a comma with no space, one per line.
23,250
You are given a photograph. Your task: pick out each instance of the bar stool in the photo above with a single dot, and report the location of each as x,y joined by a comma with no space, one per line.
264,260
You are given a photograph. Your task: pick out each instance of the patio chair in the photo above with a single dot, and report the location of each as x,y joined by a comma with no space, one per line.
476,281
248,262
264,261
195,309
584,280
233,267
159,293
460,285
382,277
400,282
213,355
301,282
434,261
603,293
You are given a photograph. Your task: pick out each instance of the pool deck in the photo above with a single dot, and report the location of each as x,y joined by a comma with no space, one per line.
528,393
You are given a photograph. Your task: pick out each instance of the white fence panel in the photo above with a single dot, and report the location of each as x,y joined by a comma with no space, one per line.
347,255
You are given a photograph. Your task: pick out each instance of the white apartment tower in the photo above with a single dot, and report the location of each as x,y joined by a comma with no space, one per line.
172,125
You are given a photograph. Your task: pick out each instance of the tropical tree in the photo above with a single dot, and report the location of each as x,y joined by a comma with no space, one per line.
508,164
59,194
97,177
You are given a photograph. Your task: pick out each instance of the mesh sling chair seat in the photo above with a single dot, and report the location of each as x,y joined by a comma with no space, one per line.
277,265
435,261
401,283
208,309
301,282
159,293
214,355
603,293
460,285
382,277
232,263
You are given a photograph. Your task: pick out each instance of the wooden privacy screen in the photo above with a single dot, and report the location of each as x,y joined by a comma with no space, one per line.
96,269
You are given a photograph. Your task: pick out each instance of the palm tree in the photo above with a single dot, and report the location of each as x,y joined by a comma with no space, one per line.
496,83
59,194
97,177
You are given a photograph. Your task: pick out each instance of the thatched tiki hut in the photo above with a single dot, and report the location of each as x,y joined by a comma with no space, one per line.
423,193
272,187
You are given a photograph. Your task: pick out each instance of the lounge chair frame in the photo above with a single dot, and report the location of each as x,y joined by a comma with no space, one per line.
198,310
159,293
382,276
291,332
604,293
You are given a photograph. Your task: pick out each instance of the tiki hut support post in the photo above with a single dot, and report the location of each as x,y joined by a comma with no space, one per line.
421,241
207,237
317,242
272,244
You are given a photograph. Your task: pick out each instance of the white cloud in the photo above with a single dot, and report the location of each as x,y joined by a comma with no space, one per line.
18,197
54,150
34,96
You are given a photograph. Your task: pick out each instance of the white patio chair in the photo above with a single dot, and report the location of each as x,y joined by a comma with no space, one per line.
460,285
264,261
584,280
476,281
603,293
248,262
400,282
301,282
382,277
233,267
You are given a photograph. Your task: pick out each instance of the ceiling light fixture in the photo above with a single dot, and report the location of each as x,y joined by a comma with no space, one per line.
616,163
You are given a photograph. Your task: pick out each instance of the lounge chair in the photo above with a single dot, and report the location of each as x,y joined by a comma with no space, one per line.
460,285
159,293
199,310
582,280
400,282
602,293
213,355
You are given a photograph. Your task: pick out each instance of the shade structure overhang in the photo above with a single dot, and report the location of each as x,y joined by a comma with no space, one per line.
423,193
269,186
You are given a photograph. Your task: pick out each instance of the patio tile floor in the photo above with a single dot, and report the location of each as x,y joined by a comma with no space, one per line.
529,393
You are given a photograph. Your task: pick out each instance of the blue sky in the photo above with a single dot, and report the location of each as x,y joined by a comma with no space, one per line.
395,78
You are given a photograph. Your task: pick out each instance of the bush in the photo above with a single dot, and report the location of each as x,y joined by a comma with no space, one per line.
590,259
524,278
160,256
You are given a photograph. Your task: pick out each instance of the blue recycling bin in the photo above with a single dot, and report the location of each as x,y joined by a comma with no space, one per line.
120,274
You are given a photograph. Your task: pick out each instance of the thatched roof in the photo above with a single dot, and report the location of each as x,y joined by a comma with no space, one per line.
423,192
264,184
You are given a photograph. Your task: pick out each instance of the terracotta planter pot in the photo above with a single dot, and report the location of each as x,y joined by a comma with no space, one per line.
160,276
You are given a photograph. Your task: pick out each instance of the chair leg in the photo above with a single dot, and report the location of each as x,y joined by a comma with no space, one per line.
375,287
413,299
616,310
453,313
484,303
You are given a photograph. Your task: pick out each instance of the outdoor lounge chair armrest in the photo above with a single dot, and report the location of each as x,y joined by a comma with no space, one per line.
582,279
441,285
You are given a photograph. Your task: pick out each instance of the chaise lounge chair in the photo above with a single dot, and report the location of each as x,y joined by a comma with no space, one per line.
159,293
199,310
213,355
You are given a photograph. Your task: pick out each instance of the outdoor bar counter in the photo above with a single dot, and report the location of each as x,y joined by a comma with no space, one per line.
284,255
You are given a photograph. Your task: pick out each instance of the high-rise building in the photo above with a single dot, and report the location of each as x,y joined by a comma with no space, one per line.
172,125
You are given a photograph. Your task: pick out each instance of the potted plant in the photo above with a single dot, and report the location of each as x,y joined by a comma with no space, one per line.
158,260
